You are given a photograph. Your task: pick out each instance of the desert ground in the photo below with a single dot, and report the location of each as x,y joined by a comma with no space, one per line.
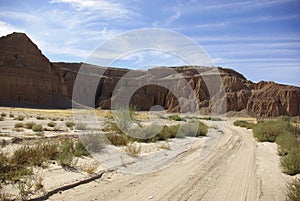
227,164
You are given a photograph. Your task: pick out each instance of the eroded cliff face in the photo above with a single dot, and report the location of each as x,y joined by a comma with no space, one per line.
27,78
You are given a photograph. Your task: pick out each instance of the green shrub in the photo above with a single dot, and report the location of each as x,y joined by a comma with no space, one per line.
212,118
37,128
80,150
243,123
94,142
118,139
3,114
65,159
19,125
20,117
1,118
40,118
286,141
35,155
194,129
10,170
29,125
175,117
70,124
80,126
268,131
294,190
27,155
11,115
285,118
66,154
51,124
290,163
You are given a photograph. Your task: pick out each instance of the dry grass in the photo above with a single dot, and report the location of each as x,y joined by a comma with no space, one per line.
90,168
133,149
165,146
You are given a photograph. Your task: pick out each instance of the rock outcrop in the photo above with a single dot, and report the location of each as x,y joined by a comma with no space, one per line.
29,79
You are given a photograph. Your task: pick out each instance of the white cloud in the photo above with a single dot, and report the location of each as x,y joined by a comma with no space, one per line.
6,28
174,17
104,7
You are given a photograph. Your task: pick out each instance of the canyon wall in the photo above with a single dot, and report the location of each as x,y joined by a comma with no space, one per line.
29,79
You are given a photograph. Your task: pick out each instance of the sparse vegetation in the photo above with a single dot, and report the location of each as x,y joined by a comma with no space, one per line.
244,123
40,118
20,117
66,155
133,149
1,118
118,139
290,163
175,117
294,190
80,150
70,124
284,133
11,115
211,118
29,125
51,124
80,126
194,129
270,130
19,125
94,141
90,168
37,128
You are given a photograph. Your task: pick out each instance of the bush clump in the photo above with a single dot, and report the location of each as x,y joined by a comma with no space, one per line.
194,129
175,117
20,117
37,128
70,124
268,131
29,125
285,135
212,118
19,125
51,124
243,123
80,126
294,190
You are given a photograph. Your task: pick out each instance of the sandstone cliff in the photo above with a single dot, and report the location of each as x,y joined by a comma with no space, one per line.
29,79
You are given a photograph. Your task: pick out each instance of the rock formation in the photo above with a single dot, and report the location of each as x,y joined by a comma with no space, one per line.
29,79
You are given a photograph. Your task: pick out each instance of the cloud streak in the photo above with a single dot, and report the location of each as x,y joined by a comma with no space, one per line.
103,7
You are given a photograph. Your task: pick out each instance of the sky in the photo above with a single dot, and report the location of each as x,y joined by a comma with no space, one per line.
260,39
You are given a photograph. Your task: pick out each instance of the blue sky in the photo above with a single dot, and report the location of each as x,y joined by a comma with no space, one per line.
260,39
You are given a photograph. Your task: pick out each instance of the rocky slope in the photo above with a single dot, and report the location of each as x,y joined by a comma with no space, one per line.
29,79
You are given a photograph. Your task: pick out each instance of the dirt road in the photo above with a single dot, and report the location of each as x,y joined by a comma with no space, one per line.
229,172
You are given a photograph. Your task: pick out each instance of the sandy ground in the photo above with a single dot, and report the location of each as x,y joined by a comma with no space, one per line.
234,167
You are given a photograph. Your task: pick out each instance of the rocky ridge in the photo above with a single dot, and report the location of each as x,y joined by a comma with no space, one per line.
29,79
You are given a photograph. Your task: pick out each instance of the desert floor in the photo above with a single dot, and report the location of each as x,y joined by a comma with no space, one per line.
237,168
228,164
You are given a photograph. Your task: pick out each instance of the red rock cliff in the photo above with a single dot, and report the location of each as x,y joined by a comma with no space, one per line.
27,78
